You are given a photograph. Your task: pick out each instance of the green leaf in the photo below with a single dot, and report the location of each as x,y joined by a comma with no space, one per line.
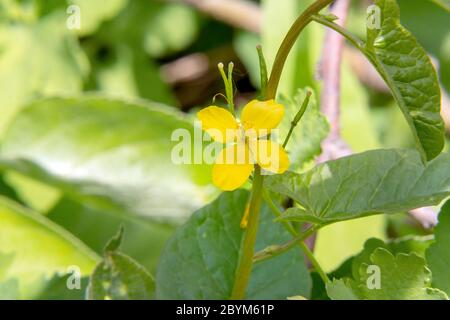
25,76
309,133
438,255
373,182
444,4
93,13
38,248
403,277
392,275
119,277
111,154
9,290
115,242
143,240
408,71
7,191
340,289
200,261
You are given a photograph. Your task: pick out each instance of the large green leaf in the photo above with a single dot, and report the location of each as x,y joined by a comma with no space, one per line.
401,277
438,255
119,277
109,153
39,59
200,261
37,249
373,182
142,241
408,71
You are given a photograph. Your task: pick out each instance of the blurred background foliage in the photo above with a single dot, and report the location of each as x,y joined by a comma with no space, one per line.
167,52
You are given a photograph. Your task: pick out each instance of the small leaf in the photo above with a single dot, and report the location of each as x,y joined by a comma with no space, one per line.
438,255
373,182
408,71
200,260
387,277
115,242
339,289
118,277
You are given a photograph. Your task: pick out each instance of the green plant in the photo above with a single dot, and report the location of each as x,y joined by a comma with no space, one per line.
108,163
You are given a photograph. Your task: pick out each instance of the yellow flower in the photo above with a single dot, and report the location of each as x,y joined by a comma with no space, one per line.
246,146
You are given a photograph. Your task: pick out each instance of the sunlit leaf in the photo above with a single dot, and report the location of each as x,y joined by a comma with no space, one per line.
37,248
112,154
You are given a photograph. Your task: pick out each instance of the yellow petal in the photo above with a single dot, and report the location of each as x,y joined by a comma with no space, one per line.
233,167
270,156
262,116
219,123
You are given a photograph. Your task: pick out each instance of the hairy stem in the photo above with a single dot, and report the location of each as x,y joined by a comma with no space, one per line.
245,265
289,42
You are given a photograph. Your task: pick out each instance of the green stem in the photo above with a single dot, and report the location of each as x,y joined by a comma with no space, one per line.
245,265
297,118
303,246
358,43
276,250
289,42
315,263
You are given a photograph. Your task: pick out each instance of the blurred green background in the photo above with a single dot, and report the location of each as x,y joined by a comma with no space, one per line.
167,52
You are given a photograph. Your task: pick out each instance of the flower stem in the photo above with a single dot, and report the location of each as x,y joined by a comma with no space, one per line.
288,43
297,117
245,264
